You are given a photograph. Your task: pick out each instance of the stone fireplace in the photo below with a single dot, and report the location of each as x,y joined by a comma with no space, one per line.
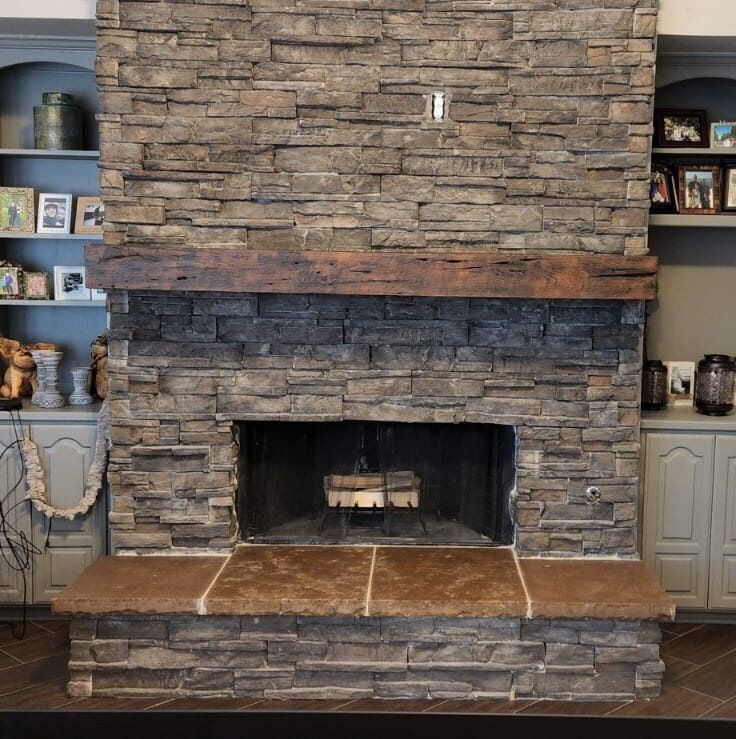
312,274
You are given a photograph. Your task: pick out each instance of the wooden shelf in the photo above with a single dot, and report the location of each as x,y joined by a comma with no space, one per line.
55,303
52,237
685,152
430,274
676,220
32,413
50,153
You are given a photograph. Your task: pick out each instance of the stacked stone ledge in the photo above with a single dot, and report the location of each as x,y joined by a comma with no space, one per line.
345,657
185,367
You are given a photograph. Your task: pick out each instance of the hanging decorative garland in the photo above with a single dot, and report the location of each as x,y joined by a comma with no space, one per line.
36,486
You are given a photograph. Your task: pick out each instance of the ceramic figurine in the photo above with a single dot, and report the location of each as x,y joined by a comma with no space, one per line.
47,395
20,376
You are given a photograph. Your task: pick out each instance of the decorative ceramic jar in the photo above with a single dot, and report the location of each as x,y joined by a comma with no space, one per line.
57,122
81,378
714,385
653,386
47,394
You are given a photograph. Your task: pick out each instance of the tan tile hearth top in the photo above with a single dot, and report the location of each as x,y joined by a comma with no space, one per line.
366,580
591,588
293,580
146,585
446,581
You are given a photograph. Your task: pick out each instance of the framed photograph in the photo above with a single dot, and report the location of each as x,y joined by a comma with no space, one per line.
16,209
700,189
36,286
70,283
729,188
54,213
680,383
11,281
723,135
90,216
681,128
663,190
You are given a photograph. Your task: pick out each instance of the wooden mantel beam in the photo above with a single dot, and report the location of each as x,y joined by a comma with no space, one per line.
431,274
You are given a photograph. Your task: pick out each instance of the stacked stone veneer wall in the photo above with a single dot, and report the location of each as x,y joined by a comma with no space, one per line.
304,124
184,367
311,657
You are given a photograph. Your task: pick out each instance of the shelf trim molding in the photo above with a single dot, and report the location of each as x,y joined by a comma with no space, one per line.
430,274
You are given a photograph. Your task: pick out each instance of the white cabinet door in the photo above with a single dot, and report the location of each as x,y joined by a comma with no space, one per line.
12,493
66,452
723,534
678,489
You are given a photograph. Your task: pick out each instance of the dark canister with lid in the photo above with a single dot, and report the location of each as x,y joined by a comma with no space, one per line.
653,385
57,122
714,385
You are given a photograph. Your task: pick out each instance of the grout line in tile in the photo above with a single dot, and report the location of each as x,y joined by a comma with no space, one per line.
428,709
705,664
369,589
255,702
704,695
618,708
523,584
160,703
41,626
7,654
342,705
201,602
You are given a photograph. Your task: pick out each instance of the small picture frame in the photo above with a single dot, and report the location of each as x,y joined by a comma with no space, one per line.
729,188
680,383
16,210
70,283
700,189
663,190
11,281
54,213
90,215
36,286
723,135
681,128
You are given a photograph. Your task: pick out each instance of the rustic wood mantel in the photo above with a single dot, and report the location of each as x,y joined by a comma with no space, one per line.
430,274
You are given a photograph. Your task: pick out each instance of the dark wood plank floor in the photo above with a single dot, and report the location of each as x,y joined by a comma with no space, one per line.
700,681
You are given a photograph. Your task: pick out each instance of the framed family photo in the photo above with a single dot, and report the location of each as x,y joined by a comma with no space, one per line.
681,128
90,216
663,190
700,189
36,286
70,283
729,188
680,382
16,209
54,213
11,277
723,135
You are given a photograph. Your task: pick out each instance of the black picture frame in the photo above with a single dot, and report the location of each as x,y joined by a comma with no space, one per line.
663,186
728,187
664,116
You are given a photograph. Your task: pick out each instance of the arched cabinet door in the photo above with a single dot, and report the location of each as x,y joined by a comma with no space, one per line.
723,544
66,452
678,491
17,516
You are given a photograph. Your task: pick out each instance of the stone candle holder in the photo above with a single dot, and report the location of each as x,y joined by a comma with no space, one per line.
47,394
81,377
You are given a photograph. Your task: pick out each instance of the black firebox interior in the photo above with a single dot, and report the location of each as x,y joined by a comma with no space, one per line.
466,471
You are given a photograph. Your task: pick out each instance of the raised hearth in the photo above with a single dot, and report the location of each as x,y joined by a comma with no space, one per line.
365,621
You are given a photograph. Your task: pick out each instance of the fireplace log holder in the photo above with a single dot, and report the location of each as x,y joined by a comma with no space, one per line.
367,488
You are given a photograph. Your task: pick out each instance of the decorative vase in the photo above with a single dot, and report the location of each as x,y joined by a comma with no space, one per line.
47,395
81,378
57,122
653,386
714,385
40,390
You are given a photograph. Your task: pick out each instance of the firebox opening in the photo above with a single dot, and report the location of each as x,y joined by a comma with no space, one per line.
353,481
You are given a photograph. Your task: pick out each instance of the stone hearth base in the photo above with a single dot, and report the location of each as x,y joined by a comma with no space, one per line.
320,657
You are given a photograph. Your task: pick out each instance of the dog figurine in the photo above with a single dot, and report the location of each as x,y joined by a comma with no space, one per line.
19,380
